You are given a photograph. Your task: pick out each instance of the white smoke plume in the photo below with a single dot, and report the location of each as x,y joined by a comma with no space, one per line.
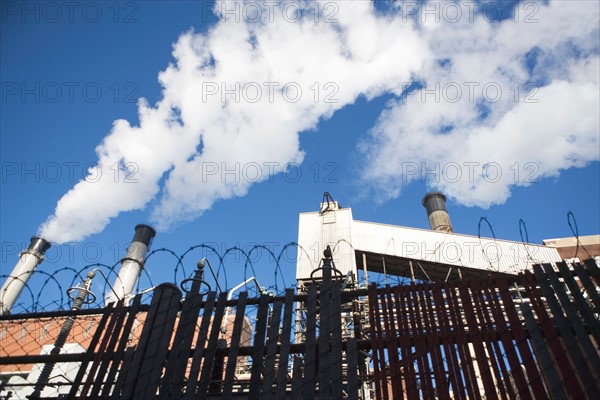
478,128
238,97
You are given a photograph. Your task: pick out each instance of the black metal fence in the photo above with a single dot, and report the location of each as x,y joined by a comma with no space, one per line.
474,339
466,339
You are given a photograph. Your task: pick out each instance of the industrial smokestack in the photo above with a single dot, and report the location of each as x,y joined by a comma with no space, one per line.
435,204
132,263
28,261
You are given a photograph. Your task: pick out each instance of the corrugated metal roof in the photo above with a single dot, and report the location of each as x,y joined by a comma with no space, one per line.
345,236
449,248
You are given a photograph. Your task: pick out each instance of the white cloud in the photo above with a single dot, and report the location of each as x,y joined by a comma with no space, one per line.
208,144
363,53
497,132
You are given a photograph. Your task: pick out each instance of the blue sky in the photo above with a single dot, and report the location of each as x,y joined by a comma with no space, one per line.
68,74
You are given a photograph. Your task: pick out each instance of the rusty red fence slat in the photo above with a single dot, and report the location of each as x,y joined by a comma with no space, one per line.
462,341
477,341
455,378
410,379
391,341
506,339
552,338
518,333
379,372
491,340
468,340
434,340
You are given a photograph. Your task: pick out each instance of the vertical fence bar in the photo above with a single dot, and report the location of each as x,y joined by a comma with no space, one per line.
433,322
269,375
324,374
420,342
391,339
106,352
310,358
593,269
579,347
497,321
478,343
199,349
551,337
352,360
419,336
211,349
284,352
151,352
122,376
376,345
116,360
433,333
336,341
490,339
450,352
410,376
575,321
179,354
297,379
580,303
547,364
259,347
234,345
518,333
90,353
462,341
590,287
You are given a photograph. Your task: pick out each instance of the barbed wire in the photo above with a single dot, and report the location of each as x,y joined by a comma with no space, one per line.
481,243
46,290
575,231
39,292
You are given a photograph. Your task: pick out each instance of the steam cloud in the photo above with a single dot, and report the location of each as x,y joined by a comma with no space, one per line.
198,126
474,148
189,132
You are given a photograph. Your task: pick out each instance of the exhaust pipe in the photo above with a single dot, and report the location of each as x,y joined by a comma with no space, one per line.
132,264
435,204
28,262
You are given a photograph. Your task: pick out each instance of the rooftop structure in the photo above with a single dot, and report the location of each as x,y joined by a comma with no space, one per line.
437,254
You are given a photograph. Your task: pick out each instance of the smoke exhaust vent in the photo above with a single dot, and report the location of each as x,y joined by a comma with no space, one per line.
435,204
132,263
28,262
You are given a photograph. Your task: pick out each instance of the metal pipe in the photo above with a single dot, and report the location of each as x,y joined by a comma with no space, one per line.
366,274
207,262
82,293
132,264
28,262
435,204
261,290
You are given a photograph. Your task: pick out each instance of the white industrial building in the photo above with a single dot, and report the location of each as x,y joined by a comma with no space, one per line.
419,254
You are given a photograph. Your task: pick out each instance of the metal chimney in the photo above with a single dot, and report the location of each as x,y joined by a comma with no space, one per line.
435,204
132,263
28,261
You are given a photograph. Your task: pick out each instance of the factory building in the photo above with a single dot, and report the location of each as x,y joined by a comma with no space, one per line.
572,247
475,318
436,254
